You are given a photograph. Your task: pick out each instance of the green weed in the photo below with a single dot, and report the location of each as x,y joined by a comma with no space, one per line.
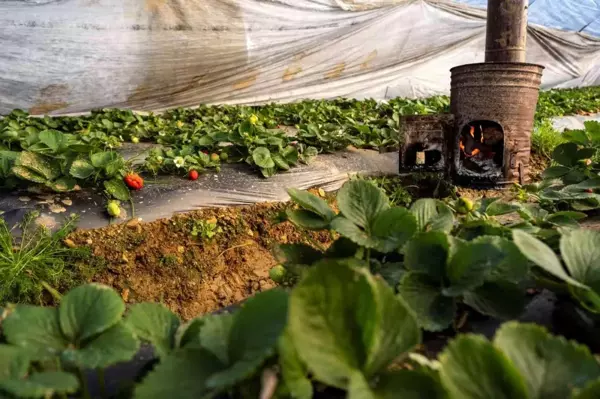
397,193
168,260
205,229
37,258
545,138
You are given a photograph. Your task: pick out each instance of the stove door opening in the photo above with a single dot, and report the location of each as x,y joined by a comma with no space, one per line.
425,155
481,148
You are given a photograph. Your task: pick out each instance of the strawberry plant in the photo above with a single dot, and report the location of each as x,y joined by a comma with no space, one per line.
340,328
63,153
580,250
413,251
573,179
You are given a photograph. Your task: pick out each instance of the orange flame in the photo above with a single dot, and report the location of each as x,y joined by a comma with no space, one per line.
475,151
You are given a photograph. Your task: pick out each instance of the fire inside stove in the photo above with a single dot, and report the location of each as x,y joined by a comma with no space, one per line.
481,146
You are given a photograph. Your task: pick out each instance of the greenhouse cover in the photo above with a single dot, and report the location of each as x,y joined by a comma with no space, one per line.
67,56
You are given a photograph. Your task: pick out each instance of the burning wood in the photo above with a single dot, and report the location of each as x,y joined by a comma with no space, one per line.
476,143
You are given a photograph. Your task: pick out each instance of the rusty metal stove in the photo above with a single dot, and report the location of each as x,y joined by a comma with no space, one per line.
485,141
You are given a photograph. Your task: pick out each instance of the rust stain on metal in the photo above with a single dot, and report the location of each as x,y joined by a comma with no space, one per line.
247,82
290,73
336,71
503,94
366,64
506,31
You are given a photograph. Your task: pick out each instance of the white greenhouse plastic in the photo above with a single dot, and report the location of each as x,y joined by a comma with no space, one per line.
66,56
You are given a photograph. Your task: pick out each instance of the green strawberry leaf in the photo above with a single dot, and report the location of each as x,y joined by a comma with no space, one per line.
471,265
428,252
44,384
117,189
590,391
311,202
543,256
392,228
81,169
214,335
62,184
25,173
262,158
405,384
432,215
580,250
155,323
117,344
361,202
182,375
472,368
88,310
307,219
189,333
551,366
14,362
38,164
343,321
423,294
280,162
500,299
293,370
35,329
102,159
53,139
253,336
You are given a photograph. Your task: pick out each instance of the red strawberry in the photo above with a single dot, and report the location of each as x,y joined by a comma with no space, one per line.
134,181
589,190
193,175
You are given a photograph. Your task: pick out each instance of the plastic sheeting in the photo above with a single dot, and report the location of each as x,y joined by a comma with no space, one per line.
573,122
574,15
236,184
64,56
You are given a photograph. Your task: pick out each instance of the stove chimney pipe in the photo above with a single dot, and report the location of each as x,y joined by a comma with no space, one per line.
506,31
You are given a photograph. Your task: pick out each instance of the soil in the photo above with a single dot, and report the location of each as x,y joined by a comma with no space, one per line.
162,261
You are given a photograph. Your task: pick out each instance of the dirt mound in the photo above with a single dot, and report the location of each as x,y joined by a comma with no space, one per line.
163,261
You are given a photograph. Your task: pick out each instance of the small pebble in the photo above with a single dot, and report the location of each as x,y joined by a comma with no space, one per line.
57,208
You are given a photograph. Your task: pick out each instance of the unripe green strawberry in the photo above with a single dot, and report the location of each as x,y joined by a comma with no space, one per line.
464,205
113,208
224,156
278,273
135,140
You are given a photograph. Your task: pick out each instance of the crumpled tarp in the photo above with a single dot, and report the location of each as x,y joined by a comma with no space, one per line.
574,15
65,56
